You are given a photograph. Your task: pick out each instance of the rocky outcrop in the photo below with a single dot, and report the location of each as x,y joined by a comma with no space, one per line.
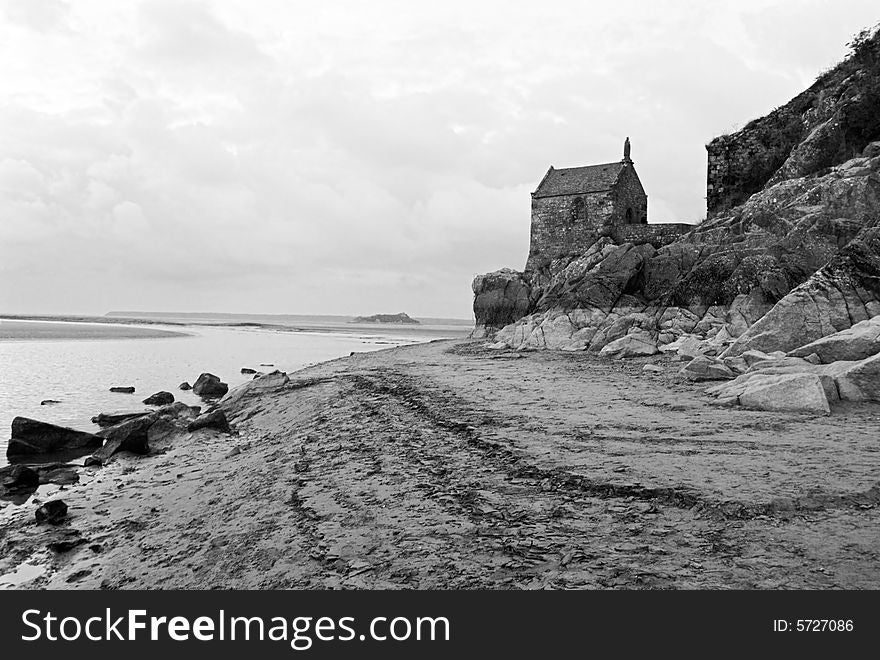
500,298
209,385
134,435
825,125
790,258
30,436
842,293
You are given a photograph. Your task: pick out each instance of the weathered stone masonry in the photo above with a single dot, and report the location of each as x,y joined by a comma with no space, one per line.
573,207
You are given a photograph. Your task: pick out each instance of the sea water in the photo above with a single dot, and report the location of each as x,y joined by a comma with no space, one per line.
79,372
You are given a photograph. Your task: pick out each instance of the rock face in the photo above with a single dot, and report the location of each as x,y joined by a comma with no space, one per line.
843,292
827,124
209,385
159,399
30,436
782,262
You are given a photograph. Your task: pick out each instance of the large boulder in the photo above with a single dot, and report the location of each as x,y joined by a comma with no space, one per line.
638,344
857,381
856,343
792,392
703,368
209,385
500,298
30,436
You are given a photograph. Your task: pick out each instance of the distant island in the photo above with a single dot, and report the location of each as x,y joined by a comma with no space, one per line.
385,318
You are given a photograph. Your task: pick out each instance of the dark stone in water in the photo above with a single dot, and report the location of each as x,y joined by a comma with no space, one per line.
53,512
159,399
248,370
185,386
209,385
48,402
30,436
122,390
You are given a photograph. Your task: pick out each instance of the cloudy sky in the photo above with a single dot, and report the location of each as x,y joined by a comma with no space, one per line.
353,157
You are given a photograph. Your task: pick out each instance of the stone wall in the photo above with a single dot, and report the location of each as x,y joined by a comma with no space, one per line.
558,231
657,235
629,193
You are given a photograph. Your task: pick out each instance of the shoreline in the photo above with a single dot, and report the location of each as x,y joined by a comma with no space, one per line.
347,328
447,465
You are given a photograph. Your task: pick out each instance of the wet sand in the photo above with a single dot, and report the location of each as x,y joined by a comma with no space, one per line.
446,465
22,330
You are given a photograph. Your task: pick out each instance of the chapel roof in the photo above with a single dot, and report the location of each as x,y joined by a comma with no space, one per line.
579,180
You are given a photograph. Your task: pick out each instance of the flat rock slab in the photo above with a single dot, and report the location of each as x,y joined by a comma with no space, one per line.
118,416
30,436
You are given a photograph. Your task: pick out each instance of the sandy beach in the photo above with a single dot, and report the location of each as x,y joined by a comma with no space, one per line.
448,465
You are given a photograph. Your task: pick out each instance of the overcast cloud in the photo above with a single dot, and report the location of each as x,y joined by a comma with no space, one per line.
353,157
